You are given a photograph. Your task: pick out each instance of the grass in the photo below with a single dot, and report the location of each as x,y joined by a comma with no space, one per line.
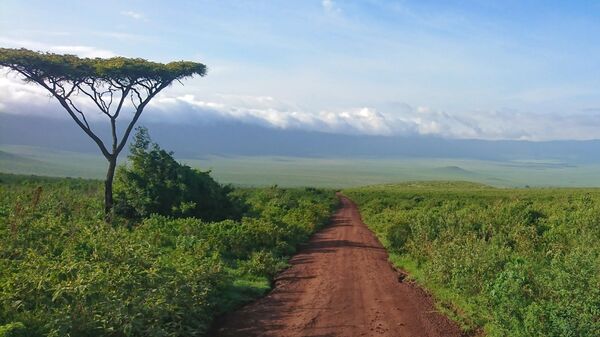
65,272
510,262
243,289
321,172
447,302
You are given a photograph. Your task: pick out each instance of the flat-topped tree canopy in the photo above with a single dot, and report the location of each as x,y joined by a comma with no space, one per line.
110,83
48,66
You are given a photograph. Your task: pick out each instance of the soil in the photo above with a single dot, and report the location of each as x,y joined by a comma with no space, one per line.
340,284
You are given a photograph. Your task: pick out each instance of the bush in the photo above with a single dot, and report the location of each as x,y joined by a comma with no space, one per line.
522,262
65,272
263,263
12,330
397,234
155,183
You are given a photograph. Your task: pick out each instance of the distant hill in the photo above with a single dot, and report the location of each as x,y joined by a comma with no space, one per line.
454,170
49,162
335,172
10,162
18,160
228,138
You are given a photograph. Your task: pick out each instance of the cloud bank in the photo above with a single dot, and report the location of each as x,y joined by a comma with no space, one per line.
386,119
389,119
82,51
464,71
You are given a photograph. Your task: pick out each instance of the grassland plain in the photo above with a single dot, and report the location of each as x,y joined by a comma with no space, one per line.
320,172
515,262
65,272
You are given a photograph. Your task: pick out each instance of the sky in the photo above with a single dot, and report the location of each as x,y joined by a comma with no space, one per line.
456,69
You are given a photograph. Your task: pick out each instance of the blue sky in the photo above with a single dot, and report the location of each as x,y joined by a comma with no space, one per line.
459,69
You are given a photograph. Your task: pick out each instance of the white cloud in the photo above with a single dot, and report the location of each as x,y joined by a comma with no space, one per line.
330,6
401,119
82,51
133,15
17,97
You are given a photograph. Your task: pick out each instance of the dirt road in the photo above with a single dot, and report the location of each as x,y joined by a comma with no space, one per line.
340,284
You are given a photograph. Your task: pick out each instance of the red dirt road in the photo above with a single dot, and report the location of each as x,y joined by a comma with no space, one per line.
340,284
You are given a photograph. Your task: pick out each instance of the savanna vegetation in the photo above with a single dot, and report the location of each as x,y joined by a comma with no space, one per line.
181,249
153,182
515,262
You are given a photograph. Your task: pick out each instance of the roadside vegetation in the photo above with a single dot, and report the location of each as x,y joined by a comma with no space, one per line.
163,267
515,262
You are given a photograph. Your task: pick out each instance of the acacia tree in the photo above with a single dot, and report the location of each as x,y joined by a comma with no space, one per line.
112,84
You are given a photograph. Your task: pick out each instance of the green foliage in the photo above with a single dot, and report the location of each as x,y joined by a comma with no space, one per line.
12,330
65,272
74,69
263,263
522,262
155,183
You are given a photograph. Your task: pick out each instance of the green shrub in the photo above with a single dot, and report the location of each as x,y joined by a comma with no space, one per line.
16,329
397,234
522,262
263,263
65,272
155,183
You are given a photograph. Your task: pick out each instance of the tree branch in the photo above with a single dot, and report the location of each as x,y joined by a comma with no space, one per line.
113,129
124,94
139,97
66,106
97,100
157,88
79,111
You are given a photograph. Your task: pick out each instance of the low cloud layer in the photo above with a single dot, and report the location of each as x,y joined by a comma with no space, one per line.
372,67
82,51
17,97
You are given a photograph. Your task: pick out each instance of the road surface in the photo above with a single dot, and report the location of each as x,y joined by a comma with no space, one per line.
340,284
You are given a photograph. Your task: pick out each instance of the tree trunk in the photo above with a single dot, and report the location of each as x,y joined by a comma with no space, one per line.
108,191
